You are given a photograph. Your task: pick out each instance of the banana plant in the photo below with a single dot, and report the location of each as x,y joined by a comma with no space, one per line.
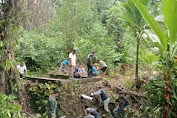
136,21
167,42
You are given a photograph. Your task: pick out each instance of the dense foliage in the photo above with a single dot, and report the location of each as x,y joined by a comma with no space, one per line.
9,109
121,32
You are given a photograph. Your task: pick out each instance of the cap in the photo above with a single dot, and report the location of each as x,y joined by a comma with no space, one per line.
86,106
88,110
99,87
74,50
95,64
56,91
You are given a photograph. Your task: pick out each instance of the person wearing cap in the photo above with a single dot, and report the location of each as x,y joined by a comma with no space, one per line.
72,62
119,112
92,111
52,104
63,66
89,64
88,115
102,67
95,72
104,98
21,68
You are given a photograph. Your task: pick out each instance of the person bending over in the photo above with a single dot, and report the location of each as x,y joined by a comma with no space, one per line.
88,115
92,111
63,66
104,97
103,67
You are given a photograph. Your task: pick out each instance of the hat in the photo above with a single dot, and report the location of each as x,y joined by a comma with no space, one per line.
95,64
99,87
86,106
56,91
88,110
74,50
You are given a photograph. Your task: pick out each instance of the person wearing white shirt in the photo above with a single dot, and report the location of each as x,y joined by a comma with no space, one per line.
72,62
21,68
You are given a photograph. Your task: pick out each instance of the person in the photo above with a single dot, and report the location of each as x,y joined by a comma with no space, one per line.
96,66
88,115
63,66
52,104
103,67
21,68
89,64
81,70
104,98
119,112
92,111
76,74
72,62
95,72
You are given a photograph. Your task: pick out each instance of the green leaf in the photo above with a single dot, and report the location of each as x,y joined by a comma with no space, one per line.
1,44
152,23
170,18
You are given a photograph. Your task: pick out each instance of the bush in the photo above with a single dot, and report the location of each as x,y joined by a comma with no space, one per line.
9,109
155,98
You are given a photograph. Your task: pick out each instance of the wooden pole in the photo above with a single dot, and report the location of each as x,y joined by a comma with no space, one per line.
80,61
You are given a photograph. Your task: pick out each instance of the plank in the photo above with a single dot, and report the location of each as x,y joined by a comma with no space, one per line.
63,81
61,76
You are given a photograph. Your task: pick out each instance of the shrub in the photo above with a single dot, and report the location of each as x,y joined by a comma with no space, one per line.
9,109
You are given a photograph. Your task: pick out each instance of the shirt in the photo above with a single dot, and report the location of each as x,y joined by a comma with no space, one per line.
73,59
103,63
89,116
65,61
98,93
94,70
88,58
81,70
21,69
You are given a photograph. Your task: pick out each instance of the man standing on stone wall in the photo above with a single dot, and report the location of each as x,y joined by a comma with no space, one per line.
72,62
89,64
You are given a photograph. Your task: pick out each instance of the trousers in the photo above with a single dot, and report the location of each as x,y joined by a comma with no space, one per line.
63,66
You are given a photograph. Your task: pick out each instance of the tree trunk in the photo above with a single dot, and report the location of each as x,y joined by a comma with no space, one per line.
167,95
8,11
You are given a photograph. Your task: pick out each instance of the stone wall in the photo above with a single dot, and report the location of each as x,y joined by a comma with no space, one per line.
70,102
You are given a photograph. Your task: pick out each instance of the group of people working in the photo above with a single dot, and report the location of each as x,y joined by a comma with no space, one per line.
118,112
78,72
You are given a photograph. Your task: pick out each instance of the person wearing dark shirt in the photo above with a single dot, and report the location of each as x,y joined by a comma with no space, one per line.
75,74
104,98
89,64
92,111
119,112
